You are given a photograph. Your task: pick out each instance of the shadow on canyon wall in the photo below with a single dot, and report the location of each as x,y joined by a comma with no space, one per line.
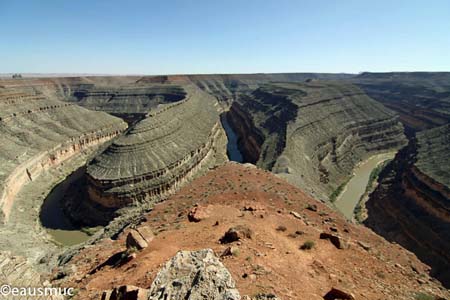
401,210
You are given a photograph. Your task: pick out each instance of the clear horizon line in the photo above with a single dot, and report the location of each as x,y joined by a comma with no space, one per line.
73,74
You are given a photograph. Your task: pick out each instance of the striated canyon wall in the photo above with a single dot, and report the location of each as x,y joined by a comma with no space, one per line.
314,133
119,95
40,133
421,99
227,87
411,205
162,152
136,98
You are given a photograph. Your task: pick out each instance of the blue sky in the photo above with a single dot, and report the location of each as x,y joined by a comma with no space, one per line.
228,36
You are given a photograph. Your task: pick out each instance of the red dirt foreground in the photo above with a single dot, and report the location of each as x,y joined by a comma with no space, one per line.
272,238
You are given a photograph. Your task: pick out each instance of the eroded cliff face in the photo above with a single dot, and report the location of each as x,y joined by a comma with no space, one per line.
412,202
422,99
127,99
160,154
40,134
227,87
122,96
313,134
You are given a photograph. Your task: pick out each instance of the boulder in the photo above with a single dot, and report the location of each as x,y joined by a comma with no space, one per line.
252,207
198,213
146,232
296,215
135,240
363,245
236,233
125,292
265,297
335,294
194,275
106,295
335,239
312,207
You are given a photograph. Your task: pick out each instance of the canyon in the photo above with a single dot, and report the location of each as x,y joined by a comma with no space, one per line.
43,140
314,133
42,134
159,154
421,99
410,205
144,148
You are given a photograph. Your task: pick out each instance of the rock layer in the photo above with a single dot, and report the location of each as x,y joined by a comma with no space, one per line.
134,98
170,146
313,134
412,202
40,133
422,99
116,95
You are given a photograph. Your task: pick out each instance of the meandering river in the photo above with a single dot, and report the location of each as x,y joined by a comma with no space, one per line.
232,146
58,224
356,187
53,218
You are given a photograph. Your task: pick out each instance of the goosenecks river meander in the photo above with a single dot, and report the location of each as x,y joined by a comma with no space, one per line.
58,224
53,218
356,187
64,232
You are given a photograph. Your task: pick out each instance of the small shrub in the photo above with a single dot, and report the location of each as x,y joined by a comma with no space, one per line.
235,251
423,296
308,245
131,250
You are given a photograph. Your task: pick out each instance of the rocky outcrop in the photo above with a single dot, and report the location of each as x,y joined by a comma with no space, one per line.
194,275
125,292
17,272
189,275
335,239
40,134
314,133
412,202
171,146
